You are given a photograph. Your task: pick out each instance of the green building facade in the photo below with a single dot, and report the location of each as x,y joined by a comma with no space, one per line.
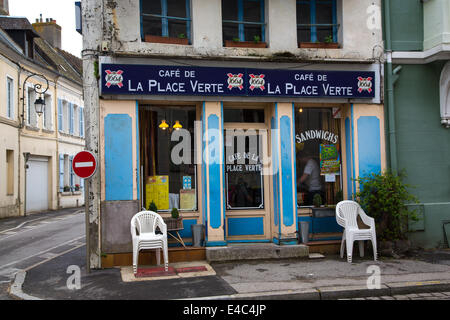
417,106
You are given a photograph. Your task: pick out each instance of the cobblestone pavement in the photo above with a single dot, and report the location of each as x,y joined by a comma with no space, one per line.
413,296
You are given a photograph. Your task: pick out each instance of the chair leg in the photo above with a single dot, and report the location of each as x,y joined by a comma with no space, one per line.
166,259
158,256
361,248
135,259
342,245
349,243
342,248
374,246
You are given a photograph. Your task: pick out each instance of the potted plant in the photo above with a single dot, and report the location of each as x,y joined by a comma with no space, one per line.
384,196
328,43
181,39
175,221
66,189
152,207
236,42
175,213
320,211
77,187
317,200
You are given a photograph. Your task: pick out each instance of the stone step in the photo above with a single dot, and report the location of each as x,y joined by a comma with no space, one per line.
233,252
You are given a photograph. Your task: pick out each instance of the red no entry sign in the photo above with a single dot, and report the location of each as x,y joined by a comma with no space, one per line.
84,164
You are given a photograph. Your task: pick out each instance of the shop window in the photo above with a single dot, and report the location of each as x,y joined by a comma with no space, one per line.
244,169
166,21
318,156
243,115
243,20
9,172
317,21
167,154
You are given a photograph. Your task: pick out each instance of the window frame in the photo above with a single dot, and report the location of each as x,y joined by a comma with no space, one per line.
165,19
313,25
29,95
47,116
9,97
163,108
241,22
338,186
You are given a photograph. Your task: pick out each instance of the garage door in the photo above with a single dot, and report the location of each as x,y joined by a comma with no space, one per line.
37,185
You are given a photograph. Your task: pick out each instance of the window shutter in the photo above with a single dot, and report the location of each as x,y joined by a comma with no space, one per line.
61,172
72,177
10,98
81,122
60,115
71,116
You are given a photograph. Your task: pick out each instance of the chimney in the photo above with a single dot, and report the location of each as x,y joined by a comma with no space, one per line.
4,8
48,30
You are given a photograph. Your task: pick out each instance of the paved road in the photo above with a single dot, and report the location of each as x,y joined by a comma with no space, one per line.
29,241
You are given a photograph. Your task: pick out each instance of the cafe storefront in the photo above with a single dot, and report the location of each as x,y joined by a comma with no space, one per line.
245,151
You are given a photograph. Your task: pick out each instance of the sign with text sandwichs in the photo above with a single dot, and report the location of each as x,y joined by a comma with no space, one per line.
132,79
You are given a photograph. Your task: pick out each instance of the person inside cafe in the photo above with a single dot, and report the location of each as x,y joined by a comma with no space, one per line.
311,180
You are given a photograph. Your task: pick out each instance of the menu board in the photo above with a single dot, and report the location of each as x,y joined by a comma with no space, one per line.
157,190
187,199
330,162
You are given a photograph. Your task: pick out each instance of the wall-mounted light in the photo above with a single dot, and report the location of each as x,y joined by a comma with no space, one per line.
300,110
39,104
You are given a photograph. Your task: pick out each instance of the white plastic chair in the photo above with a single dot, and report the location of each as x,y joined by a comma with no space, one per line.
346,216
143,227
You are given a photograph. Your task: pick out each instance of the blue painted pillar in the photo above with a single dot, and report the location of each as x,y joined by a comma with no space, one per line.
213,194
118,157
284,174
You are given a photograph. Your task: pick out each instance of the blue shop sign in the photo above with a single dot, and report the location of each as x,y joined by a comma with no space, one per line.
131,79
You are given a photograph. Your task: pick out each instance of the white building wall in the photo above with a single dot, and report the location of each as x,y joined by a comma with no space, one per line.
360,31
69,145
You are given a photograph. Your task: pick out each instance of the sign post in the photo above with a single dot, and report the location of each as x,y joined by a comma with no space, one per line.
84,165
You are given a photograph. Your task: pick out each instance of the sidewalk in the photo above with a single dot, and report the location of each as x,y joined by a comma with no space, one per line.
326,278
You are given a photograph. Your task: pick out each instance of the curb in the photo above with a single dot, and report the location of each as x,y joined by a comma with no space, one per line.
342,292
16,288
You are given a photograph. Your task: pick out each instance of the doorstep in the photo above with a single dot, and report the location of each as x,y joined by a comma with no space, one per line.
255,251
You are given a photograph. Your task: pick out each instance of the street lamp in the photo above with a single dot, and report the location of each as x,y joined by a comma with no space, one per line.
39,104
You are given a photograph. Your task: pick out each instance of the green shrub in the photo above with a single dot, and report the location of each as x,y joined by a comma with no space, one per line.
152,207
384,197
317,200
175,214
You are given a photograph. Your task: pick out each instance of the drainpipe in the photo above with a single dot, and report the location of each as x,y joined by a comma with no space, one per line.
390,80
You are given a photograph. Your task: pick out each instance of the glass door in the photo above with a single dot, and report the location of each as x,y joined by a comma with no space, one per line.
246,188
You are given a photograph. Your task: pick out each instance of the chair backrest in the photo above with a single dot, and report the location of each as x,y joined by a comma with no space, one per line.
147,221
346,213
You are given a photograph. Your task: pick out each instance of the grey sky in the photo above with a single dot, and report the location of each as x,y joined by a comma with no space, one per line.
63,11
